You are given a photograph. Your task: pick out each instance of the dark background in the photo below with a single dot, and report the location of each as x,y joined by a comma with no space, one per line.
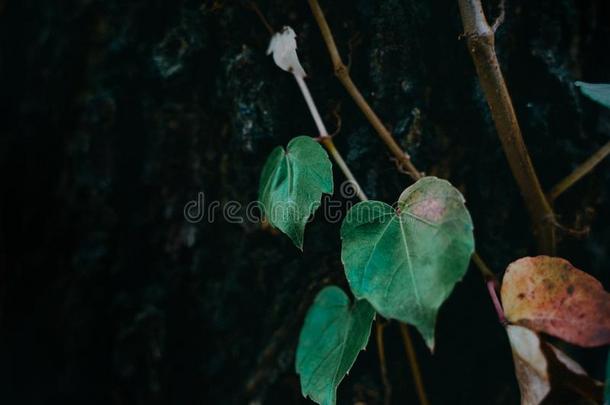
115,114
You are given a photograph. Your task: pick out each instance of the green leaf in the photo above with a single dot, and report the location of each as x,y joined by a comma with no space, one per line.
405,262
599,92
292,183
332,336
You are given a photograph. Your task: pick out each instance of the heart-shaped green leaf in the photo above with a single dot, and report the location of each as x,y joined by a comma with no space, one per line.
405,262
599,92
292,183
333,334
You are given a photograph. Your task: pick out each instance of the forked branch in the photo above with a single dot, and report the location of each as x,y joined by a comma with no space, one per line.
481,44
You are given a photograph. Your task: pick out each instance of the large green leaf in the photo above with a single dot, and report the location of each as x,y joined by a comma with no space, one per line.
332,336
405,261
292,183
599,92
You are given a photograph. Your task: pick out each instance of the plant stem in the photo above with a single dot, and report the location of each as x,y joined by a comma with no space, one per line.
383,133
579,172
419,384
492,286
342,74
480,37
326,140
312,106
483,268
382,361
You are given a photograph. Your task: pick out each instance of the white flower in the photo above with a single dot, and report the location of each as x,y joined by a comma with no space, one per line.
284,48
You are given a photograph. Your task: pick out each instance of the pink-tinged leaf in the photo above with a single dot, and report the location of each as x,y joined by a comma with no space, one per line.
546,374
549,295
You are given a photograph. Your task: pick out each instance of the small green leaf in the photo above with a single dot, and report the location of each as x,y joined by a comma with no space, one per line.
292,184
406,262
599,92
332,336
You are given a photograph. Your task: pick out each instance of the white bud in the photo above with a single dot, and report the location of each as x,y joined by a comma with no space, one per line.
284,48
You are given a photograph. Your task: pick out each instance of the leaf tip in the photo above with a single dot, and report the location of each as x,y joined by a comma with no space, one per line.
431,344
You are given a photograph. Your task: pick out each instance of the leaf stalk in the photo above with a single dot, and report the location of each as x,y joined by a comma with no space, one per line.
327,140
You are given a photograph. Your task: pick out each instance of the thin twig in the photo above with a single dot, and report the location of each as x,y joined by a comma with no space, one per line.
417,378
342,73
379,327
485,270
577,233
351,45
579,172
481,46
326,140
492,287
491,282
338,120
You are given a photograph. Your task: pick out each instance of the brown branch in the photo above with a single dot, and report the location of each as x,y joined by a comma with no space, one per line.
579,172
480,39
419,384
387,387
342,74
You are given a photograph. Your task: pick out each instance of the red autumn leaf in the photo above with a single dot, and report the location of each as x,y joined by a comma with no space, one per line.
549,295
